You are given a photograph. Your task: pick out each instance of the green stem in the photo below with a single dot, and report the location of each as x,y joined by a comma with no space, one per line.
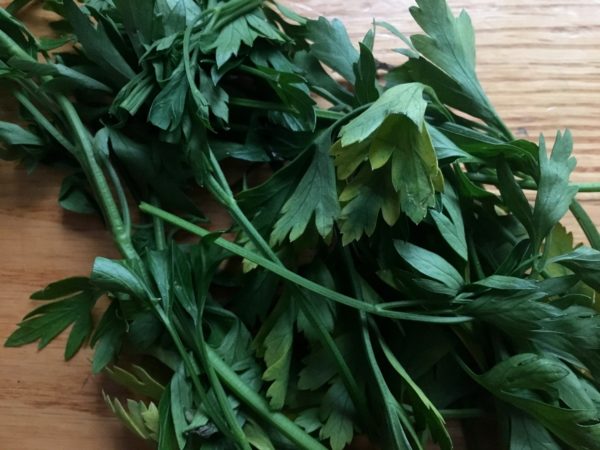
305,305
293,277
88,160
586,223
43,122
325,94
159,229
397,436
116,182
191,369
121,235
221,398
530,184
272,106
474,257
258,404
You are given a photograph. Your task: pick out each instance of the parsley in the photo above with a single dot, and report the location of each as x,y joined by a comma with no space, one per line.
368,282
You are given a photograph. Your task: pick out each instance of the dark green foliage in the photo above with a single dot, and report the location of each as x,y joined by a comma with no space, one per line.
368,282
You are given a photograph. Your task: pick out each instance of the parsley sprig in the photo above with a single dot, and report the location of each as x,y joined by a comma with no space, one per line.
368,283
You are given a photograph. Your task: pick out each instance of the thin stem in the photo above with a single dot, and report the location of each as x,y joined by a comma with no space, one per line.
221,398
272,106
44,122
325,94
190,369
474,257
159,229
293,277
121,235
116,182
398,437
305,305
258,404
530,184
586,223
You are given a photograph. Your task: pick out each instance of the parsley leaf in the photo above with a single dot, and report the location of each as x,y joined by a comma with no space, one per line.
46,322
392,133
332,46
450,47
315,195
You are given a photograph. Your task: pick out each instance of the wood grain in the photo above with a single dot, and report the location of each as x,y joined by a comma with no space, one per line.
539,61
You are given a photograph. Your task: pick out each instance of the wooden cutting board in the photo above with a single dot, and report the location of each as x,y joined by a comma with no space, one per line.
539,62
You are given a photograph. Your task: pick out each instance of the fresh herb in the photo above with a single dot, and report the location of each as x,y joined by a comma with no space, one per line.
369,284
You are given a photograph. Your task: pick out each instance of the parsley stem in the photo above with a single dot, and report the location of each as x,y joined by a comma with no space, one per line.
305,305
293,277
159,229
116,182
220,396
530,184
397,436
43,122
121,234
190,368
258,404
586,223
273,106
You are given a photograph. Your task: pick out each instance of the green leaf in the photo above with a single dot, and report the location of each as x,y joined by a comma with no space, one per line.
554,195
137,380
572,333
392,132
526,434
422,404
430,264
62,288
368,194
293,91
514,198
365,71
559,242
97,45
118,276
315,195
46,322
108,338
585,264
167,108
231,38
75,195
257,437
451,226
332,46
13,134
181,402
319,368
406,100
140,418
449,45
64,76
337,413
277,349
516,381
167,440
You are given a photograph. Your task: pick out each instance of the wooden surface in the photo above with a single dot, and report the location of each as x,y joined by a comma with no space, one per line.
539,60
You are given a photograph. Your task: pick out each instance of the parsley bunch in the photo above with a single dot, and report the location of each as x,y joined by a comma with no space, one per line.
369,282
